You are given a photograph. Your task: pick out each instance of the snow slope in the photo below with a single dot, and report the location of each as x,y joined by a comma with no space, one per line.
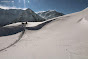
8,16
49,14
64,37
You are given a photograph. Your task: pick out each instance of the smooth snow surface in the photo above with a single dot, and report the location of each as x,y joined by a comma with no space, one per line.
64,37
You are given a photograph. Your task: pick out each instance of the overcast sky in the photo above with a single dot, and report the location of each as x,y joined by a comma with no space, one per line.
64,6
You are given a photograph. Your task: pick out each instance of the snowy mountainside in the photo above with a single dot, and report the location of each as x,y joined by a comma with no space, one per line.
66,37
8,16
49,14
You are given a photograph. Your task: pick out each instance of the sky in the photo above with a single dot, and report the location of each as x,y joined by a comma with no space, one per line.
63,6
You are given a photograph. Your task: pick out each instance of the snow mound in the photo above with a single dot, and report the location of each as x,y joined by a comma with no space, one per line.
83,21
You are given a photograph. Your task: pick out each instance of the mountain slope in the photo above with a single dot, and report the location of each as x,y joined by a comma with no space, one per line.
15,15
49,14
64,37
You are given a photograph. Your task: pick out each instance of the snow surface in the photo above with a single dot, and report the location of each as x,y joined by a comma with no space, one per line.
65,37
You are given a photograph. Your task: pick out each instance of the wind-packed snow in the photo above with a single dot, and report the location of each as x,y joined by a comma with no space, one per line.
64,37
49,14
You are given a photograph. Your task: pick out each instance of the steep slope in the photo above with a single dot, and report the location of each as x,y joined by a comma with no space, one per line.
15,15
64,37
49,14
